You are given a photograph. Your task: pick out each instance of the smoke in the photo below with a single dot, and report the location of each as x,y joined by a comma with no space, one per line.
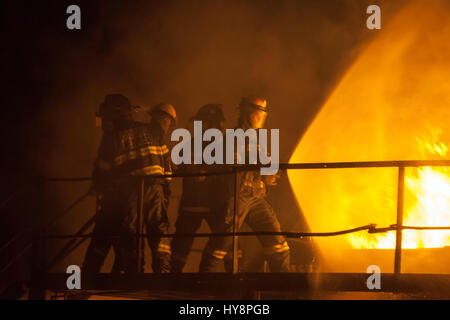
188,54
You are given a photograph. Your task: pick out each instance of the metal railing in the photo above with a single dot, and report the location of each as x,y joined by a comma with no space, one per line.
235,170
398,227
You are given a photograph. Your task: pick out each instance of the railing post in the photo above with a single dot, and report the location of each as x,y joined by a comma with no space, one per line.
398,239
139,227
235,267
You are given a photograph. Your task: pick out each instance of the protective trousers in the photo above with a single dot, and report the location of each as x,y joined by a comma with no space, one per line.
188,222
116,225
260,217
108,222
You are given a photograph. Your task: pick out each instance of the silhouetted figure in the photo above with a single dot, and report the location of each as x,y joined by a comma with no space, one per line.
203,198
254,209
128,150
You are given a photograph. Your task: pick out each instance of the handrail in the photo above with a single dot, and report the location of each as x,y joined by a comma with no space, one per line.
284,166
235,169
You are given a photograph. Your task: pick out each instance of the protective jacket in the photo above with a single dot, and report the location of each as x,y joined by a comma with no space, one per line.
133,149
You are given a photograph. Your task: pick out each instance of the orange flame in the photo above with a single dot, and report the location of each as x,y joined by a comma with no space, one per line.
429,191
393,103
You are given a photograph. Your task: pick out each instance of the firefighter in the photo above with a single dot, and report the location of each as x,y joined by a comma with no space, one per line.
132,150
157,190
254,209
114,114
202,199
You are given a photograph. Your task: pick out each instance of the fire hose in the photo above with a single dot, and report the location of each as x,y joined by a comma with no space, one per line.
371,228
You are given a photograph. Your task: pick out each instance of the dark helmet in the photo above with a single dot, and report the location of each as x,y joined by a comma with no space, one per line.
210,112
116,107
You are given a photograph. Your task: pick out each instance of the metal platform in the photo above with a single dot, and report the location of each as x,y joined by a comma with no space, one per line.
250,285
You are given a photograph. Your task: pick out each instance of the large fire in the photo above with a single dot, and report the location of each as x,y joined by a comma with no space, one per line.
429,191
393,103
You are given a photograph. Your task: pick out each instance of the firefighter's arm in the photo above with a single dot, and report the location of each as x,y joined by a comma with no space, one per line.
271,180
100,174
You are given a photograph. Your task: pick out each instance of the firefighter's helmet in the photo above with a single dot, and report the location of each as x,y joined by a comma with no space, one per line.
255,102
165,108
211,112
116,107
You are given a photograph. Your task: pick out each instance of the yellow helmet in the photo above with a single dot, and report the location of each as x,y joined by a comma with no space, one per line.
165,108
256,102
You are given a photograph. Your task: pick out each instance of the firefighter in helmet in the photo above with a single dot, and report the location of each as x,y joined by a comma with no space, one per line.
202,199
114,114
129,150
254,209
157,190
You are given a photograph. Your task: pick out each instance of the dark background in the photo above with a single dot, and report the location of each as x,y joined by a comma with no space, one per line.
187,53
